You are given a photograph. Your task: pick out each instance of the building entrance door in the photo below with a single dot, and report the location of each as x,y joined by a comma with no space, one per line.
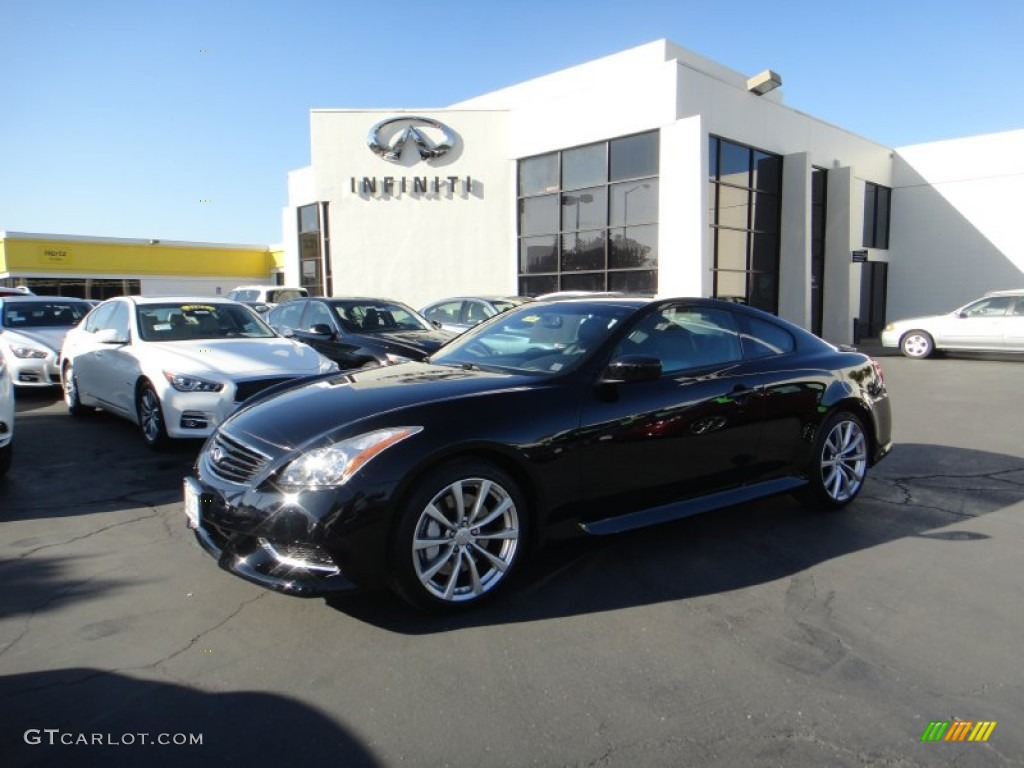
873,285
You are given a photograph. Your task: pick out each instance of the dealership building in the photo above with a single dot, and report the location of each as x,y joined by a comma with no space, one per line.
652,171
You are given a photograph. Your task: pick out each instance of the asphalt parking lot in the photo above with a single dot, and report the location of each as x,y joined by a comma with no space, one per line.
766,634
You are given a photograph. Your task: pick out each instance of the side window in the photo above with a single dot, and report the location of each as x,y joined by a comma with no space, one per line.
764,339
1020,306
684,338
994,307
448,312
99,317
286,315
317,314
476,312
119,320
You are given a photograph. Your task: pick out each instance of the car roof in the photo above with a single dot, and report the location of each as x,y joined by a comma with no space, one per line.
1008,292
141,300
23,298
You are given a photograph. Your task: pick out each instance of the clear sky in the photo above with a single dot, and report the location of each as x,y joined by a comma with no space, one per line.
123,119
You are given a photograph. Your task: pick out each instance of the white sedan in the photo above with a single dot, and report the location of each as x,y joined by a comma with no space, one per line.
32,329
6,416
993,323
177,367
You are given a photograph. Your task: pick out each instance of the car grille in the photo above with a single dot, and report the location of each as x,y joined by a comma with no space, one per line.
233,461
246,389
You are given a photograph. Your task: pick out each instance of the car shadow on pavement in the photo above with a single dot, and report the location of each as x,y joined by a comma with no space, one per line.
917,492
107,467
83,716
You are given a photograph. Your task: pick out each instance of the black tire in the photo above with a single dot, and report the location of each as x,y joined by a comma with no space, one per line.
151,417
839,462
917,345
470,562
69,383
6,453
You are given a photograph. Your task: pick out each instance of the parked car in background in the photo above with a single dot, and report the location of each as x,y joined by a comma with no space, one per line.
437,477
359,332
19,291
32,329
993,323
461,313
265,297
6,416
176,366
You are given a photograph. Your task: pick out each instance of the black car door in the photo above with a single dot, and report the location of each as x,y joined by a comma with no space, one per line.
692,431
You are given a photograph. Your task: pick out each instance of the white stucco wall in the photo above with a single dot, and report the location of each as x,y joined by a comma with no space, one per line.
955,222
409,246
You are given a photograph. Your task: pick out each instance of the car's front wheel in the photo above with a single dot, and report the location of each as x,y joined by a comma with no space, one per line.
839,462
461,534
151,417
917,344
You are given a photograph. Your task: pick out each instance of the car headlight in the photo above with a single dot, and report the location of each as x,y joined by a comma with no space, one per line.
890,327
393,359
327,365
186,383
23,352
333,465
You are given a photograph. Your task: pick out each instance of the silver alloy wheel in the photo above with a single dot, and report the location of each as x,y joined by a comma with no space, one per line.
844,460
150,416
465,540
916,344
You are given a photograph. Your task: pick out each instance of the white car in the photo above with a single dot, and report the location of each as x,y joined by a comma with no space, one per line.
993,323
32,330
177,367
6,416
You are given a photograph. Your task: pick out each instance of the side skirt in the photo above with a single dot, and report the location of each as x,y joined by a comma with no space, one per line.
681,509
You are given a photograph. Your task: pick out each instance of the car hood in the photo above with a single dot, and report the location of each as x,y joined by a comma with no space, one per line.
302,414
234,358
412,344
51,338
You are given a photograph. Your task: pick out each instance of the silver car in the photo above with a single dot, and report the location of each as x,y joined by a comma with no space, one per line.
993,323
461,313
32,329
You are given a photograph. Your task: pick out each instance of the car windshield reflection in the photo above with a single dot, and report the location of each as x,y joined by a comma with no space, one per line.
378,317
535,339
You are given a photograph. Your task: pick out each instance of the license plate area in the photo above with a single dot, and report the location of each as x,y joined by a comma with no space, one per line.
196,503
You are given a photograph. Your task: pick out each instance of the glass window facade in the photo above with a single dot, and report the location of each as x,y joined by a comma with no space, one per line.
744,194
311,256
877,204
588,218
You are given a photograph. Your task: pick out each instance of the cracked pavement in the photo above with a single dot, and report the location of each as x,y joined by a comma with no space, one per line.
766,634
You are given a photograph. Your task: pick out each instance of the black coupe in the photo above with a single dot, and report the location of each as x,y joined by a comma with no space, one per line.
553,419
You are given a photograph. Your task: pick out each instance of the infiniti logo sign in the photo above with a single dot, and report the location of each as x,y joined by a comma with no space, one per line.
389,138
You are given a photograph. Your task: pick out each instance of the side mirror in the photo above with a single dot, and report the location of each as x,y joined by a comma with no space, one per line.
321,329
631,368
436,324
109,336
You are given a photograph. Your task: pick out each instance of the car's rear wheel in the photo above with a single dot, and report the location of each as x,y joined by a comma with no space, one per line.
69,383
839,462
151,417
917,344
462,532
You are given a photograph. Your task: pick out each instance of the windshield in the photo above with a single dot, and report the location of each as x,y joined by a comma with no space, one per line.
176,322
43,314
374,316
551,338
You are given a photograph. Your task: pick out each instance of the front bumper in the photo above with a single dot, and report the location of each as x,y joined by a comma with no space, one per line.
34,371
281,542
890,338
